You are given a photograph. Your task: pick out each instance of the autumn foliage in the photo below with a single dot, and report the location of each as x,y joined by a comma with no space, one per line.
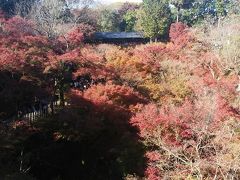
179,34
191,103
154,111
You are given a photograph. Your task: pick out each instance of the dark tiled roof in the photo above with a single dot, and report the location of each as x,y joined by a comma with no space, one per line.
117,35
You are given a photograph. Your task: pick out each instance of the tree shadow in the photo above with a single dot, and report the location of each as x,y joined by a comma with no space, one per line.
85,141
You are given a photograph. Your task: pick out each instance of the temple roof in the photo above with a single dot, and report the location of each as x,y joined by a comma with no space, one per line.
117,35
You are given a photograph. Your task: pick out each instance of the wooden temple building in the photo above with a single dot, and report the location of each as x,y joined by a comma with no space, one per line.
117,38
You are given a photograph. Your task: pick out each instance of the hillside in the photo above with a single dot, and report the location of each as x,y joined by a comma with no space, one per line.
161,110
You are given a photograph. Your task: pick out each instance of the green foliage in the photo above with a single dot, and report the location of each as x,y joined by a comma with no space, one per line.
192,11
108,21
155,18
234,7
120,18
130,19
181,5
220,8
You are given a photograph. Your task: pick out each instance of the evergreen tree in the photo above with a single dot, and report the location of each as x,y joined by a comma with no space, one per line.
181,4
130,19
109,21
155,18
220,10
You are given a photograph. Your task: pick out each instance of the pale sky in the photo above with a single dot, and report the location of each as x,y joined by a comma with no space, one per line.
113,1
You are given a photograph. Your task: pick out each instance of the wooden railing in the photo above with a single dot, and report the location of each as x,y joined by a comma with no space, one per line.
33,112
45,108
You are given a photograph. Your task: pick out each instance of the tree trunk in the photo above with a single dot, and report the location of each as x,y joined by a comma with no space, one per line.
178,12
177,17
53,99
62,100
52,107
219,22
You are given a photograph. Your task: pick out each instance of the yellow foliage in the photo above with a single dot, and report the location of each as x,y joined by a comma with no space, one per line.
171,91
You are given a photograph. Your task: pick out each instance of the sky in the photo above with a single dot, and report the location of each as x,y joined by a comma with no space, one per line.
113,1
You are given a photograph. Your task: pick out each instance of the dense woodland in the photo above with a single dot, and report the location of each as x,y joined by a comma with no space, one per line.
168,109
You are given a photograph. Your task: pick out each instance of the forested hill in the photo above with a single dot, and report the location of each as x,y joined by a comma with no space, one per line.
71,110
